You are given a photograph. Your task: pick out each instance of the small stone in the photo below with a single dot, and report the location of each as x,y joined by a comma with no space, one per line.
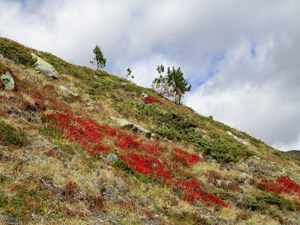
245,176
219,183
112,157
227,182
144,95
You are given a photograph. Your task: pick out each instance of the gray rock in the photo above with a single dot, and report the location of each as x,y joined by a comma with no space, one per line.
198,129
219,182
8,81
237,138
132,126
144,95
245,176
44,67
112,157
227,182
67,90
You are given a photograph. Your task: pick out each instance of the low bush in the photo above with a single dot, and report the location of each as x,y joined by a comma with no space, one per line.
11,136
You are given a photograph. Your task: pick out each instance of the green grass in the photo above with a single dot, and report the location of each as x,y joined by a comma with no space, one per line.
10,136
16,52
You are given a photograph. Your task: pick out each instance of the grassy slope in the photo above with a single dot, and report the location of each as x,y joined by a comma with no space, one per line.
53,168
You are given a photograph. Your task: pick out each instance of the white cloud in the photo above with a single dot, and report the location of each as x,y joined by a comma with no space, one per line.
247,52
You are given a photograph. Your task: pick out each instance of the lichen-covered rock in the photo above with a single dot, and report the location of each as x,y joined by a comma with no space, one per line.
44,67
132,126
8,81
112,157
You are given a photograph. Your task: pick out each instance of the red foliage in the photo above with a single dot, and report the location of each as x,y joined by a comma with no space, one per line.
282,185
186,158
151,99
152,149
70,188
147,165
193,192
89,134
70,212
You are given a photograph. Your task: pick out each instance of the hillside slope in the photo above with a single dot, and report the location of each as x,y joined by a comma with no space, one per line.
88,147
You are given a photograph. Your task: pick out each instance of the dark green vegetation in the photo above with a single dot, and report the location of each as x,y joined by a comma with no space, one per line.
16,52
11,136
99,58
263,201
172,84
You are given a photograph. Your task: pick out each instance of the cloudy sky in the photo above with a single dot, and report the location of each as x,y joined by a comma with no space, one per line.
241,56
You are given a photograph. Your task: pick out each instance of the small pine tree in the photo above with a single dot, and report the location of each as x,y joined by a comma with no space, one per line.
129,71
99,58
172,84
177,83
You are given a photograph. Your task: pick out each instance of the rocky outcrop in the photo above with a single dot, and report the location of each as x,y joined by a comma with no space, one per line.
44,67
8,81
132,126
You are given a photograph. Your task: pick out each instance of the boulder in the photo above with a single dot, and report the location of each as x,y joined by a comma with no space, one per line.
8,81
45,68
132,126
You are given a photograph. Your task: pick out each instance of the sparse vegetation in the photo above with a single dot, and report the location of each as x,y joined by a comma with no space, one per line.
53,152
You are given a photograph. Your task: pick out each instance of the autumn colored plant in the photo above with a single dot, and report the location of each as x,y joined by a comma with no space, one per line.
282,185
193,192
186,158
147,165
151,99
141,157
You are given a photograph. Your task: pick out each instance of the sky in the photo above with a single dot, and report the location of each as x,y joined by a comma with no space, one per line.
241,57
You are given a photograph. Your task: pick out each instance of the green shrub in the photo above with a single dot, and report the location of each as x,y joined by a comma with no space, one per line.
11,136
54,133
278,200
123,166
224,195
16,52
262,201
254,205
224,150
143,178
